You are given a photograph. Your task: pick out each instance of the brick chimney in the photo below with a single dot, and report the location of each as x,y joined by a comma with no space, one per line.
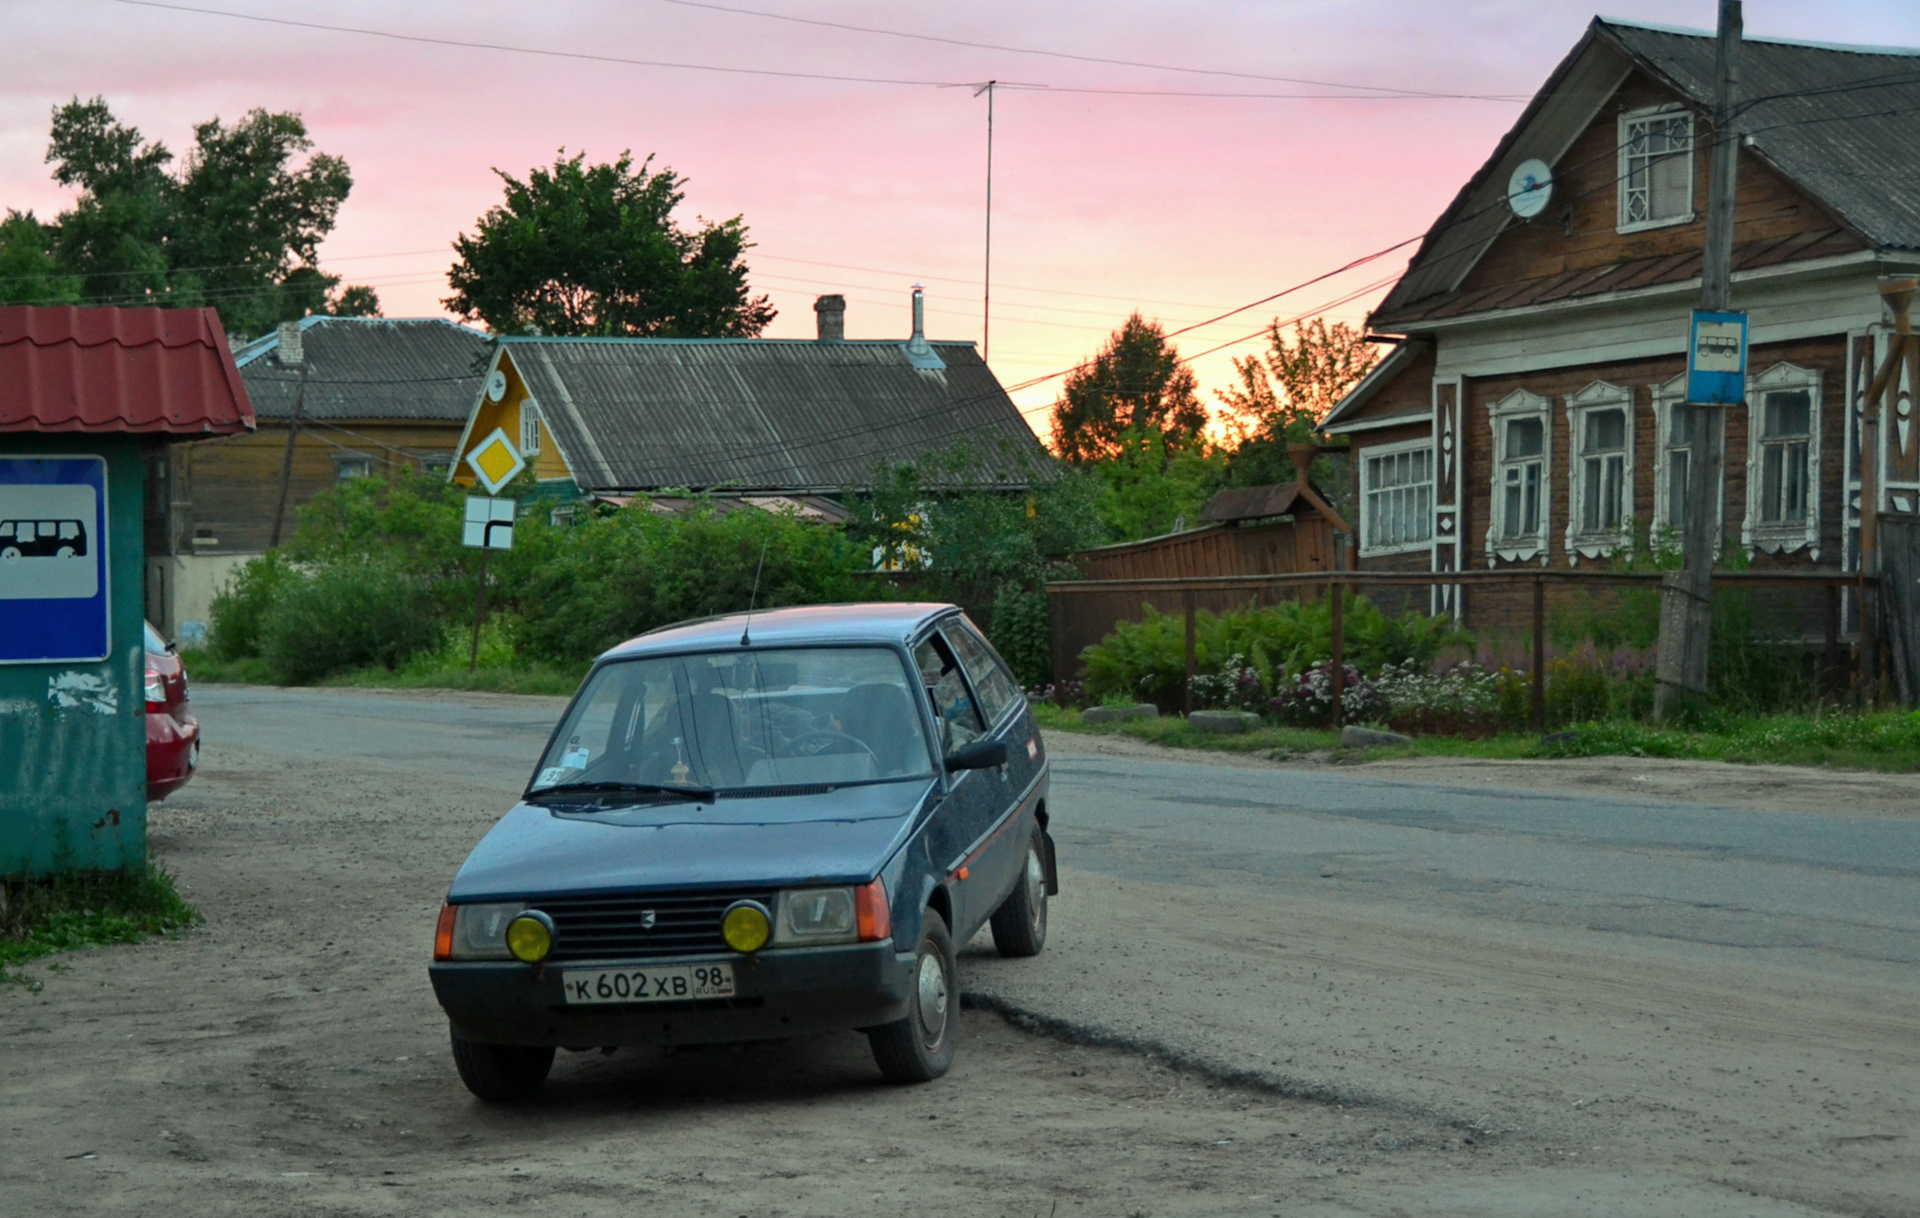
288,350
831,312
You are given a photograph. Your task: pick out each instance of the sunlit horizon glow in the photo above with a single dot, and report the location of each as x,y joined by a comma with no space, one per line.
1179,207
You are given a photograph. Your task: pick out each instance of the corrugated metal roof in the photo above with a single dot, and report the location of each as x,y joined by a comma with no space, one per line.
787,415
371,368
1841,123
107,370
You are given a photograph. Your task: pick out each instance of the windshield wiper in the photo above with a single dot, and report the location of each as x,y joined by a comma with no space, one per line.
704,795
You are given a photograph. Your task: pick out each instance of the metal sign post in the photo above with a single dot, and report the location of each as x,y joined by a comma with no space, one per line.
489,527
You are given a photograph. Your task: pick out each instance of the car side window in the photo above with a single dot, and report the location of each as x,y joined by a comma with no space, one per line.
960,721
996,685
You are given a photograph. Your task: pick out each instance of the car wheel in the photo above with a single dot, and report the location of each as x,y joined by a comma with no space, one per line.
10,553
1020,924
502,1074
919,1048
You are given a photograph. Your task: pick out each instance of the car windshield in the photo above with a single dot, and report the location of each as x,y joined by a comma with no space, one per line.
742,719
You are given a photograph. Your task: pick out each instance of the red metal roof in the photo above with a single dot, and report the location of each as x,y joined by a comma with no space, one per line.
158,371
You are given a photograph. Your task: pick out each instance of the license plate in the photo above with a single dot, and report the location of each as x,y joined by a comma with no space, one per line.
648,983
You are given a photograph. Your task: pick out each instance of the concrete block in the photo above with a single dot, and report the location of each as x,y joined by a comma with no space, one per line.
1118,714
1362,737
1225,723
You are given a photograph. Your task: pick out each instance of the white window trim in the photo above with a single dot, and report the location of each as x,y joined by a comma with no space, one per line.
1520,404
1599,542
1666,398
1783,538
1620,189
529,407
342,458
1394,450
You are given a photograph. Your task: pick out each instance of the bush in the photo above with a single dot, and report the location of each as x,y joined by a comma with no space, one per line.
348,615
1463,700
1021,630
243,608
1146,659
1307,700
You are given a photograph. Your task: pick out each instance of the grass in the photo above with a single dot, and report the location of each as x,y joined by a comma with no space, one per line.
79,910
498,671
1887,741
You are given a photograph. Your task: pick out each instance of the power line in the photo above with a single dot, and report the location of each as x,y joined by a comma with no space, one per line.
1125,63
785,74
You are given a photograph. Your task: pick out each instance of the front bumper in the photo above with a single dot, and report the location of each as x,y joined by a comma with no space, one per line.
779,993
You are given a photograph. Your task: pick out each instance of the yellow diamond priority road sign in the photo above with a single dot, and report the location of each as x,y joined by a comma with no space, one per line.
495,461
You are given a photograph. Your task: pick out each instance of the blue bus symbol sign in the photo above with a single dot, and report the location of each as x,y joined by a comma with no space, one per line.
1717,359
53,559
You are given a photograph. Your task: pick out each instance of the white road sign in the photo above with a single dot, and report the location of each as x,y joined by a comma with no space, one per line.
489,523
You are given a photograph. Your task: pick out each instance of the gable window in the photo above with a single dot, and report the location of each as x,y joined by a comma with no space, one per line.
1656,168
1396,497
1673,460
1783,459
1600,423
1517,530
529,427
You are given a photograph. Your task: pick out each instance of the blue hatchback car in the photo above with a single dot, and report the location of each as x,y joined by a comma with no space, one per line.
753,827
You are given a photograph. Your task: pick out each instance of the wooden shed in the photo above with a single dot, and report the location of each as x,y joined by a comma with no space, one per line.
1257,530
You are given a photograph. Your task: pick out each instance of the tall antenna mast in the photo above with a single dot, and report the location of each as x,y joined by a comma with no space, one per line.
986,296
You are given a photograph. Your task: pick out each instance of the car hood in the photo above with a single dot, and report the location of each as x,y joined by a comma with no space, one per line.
841,835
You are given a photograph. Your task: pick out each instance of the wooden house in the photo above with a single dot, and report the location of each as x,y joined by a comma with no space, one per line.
1525,416
372,395
761,422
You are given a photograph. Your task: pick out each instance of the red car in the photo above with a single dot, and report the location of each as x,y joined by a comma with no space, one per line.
173,734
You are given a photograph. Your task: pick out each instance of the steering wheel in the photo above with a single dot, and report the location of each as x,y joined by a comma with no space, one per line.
820,744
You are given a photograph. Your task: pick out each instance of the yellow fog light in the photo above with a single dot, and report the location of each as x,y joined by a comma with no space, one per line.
746,925
530,936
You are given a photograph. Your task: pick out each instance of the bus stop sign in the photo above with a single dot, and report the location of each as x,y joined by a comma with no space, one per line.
53,559
1717,359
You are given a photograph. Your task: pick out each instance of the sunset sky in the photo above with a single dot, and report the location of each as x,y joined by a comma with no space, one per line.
1181,206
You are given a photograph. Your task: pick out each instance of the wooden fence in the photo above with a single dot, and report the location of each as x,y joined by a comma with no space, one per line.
1228,592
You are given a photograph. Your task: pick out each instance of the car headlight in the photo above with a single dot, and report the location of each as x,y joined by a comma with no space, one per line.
745,926
816,915
530,936
480,931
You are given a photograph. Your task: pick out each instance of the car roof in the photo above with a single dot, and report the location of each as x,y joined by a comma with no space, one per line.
875,622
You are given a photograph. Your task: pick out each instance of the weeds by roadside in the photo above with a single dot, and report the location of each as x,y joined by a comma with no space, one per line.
78,910
1888,741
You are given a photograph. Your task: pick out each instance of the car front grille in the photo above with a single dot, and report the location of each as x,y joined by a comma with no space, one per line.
613,927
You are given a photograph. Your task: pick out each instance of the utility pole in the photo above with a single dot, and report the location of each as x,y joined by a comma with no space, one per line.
1686,602
293,435
986,297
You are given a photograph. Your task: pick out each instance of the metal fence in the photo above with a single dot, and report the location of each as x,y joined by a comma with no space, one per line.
1082,607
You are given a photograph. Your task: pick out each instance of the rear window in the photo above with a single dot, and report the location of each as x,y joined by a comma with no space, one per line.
155,644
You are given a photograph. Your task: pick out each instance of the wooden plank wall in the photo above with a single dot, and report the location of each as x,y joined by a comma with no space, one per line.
1080,620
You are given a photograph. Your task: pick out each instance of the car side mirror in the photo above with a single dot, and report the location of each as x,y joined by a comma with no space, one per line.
980,755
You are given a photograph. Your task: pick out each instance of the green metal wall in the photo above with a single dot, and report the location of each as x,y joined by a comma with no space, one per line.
73,782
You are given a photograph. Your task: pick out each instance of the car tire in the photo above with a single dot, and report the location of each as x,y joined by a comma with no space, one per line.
1020,924
919,1048
502,1074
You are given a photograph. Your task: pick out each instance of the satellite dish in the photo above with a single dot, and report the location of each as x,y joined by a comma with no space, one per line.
1529,189
496,385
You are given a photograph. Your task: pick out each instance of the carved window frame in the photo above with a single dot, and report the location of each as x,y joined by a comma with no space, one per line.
1782,537
1520,404
1419,450
1631,124
1601,541
1665,530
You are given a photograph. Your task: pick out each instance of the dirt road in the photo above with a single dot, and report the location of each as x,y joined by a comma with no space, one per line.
288,1057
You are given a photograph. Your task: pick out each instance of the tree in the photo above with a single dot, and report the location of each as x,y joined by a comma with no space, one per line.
237,227
1283,394
585,249
1135,387
28,272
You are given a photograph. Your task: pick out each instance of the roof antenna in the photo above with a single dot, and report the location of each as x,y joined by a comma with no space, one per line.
755,595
